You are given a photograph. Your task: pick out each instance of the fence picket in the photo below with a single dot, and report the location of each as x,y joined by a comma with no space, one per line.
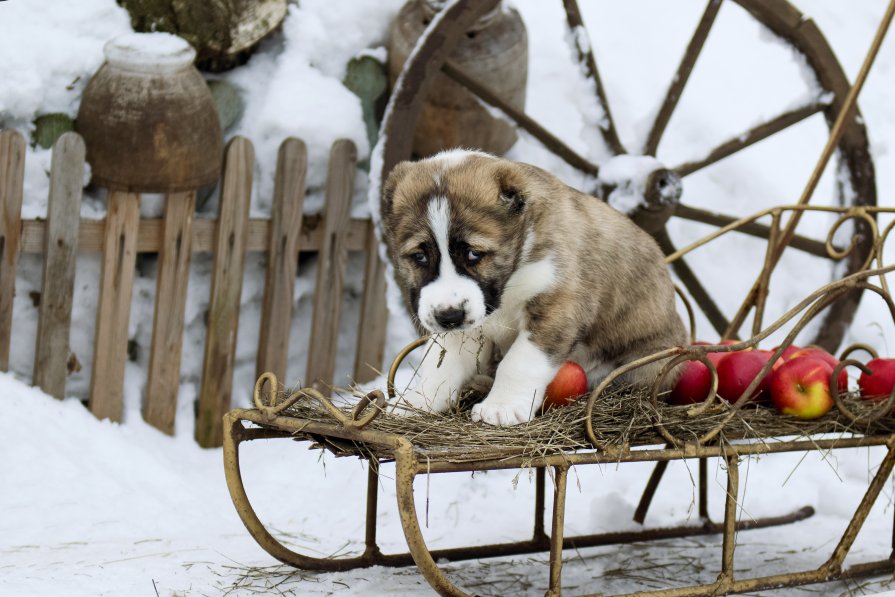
12,176
163,381
226,286
331,265
373,316
282,258
113,311
60,250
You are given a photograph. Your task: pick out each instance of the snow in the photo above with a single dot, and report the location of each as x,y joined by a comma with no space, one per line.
94,508
627,175
149,52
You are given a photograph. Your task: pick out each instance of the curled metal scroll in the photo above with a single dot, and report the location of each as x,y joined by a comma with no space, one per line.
274,407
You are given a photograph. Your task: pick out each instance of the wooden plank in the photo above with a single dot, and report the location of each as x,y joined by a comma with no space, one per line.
151,233
282,258
163,381
373,316
113,310
226,286
12,177
331,265
63,211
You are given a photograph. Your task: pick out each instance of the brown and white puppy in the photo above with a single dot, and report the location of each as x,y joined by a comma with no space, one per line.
501,259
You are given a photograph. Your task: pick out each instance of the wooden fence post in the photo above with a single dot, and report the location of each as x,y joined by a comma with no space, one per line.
282,258
60,251
373,316
163,381
12,179
113,310
226,286
331,263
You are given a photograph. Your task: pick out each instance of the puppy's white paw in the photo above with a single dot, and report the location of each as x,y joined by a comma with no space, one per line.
506,409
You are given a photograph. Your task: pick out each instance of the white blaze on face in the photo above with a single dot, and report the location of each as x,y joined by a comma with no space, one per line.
449,290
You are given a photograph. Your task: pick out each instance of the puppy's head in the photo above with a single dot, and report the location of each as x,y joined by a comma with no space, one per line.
454,225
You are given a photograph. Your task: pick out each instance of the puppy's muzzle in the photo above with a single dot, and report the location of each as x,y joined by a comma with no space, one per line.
450,318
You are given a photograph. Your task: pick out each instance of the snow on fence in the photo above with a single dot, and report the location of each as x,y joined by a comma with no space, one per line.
123,234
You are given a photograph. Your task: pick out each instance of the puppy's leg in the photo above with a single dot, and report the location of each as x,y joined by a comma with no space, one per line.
449,361
519,385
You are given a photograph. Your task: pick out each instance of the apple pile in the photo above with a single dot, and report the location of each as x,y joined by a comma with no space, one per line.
798,383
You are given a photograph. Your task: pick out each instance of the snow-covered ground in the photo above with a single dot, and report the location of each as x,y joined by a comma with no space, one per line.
94,508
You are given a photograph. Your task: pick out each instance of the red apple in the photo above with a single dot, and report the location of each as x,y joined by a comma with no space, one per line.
801,387
695,380
818,352
569,383
878,384
788,352
736,372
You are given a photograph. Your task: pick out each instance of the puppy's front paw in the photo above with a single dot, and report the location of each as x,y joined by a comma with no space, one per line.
505,408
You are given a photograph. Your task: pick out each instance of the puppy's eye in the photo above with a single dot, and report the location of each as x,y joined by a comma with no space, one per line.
473,256
420,258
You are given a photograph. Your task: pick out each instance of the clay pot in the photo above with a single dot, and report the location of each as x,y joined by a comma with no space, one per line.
148,118
494,51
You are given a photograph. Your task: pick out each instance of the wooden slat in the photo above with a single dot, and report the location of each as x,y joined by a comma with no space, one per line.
163,381
331,265
226,286
63,211
113,309
373,316
12,173
150,236
282,258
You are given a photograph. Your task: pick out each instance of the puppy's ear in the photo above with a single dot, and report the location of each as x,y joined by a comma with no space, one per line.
512,189
386,199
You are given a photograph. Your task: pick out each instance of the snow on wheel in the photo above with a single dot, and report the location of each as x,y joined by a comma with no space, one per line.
640,155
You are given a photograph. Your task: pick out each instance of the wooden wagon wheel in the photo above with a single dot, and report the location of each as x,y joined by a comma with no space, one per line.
431,59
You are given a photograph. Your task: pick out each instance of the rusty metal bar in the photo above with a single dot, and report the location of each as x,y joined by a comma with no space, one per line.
372,502
404,475
776,581
764,277
802,243
539,536
704,489
854,526
728,545
556,530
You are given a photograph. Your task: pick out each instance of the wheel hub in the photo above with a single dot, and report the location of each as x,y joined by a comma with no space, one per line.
641,187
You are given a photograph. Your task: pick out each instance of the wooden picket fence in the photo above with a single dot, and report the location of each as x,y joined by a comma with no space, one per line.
123,234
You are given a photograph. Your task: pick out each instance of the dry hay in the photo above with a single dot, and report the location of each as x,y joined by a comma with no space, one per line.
622,416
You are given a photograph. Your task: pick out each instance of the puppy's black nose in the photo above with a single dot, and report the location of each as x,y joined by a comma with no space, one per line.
450,318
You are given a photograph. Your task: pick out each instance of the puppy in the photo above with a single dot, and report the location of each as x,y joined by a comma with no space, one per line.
501,260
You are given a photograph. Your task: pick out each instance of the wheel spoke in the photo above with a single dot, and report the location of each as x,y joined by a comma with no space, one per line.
750,137
586,57
803,243
693,285
694,48
523,120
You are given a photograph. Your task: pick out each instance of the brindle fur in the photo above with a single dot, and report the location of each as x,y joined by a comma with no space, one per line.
612,300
